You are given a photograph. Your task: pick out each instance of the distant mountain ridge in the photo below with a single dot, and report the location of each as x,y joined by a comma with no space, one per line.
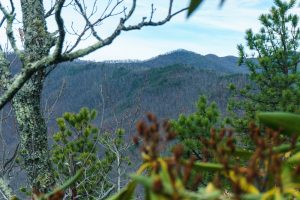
179,76
227,64
180,73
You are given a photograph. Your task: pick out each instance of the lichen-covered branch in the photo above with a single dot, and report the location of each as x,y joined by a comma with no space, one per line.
19,80
10,16
5,190
4,71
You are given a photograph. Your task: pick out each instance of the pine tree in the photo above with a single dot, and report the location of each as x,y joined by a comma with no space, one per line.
76,147
272,62
191,128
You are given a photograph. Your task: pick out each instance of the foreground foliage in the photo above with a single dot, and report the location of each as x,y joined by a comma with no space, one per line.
272,171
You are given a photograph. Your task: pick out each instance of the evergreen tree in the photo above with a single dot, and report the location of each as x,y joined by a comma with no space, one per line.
191,128
272,62
76,147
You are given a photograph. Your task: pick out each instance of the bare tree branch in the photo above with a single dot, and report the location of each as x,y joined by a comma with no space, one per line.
61,30
19,79
121,27
58,57
48,110
10,16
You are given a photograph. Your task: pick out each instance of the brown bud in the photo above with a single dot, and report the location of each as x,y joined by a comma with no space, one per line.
170,136
166,125
154,127
222,133
141,126
157,185
151,117
213,133
57,196
135,140
294,141
196,182
178,151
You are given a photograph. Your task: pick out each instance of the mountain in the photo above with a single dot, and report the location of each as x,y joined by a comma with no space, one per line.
167,85
123,91
226,65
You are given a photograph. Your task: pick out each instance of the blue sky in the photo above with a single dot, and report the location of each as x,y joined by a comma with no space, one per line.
209,31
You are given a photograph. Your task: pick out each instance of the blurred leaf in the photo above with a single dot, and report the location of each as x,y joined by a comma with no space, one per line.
295,159
202,195
194,4
125,193
288,122
242,153
286,177
222,3
148,183
207,166
164,174
243,183
252,197
63,187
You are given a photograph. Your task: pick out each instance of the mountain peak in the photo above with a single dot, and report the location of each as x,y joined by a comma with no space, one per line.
180,51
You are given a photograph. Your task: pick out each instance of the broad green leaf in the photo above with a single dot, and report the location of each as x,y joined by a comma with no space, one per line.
148,182
243,183
286,176
201,195
252,196
278,195
125,193
288,122
206,166
164,174
295,159
63,187
242,153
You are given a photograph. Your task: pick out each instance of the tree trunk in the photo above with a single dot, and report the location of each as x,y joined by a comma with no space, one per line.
33,136
26,103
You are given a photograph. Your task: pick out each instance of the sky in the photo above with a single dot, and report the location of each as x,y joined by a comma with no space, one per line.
210,30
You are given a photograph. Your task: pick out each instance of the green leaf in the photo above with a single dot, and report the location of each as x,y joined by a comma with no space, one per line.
125,193
252,196
207,166
288,122
295,159
63,187
194,4
286,176
201,195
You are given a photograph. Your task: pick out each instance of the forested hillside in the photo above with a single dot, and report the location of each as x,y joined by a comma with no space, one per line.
167,85
123,91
